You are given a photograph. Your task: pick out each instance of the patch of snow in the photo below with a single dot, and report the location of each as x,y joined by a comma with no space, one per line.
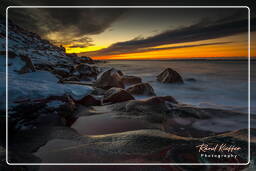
76,73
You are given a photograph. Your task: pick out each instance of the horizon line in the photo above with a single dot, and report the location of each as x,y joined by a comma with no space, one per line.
183,59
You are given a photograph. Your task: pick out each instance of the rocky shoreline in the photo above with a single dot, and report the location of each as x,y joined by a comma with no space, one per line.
68,109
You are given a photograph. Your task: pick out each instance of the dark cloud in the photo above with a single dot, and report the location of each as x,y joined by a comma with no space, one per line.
200,31
64,23
76,42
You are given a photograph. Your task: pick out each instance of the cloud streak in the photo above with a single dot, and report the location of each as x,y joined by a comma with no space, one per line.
200,31
93,53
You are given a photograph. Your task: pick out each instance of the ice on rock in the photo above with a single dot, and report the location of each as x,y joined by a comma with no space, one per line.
39,85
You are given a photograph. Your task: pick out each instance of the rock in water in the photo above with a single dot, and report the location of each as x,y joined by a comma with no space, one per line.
169,76
141,89
190,79
130,80
115,95
110,78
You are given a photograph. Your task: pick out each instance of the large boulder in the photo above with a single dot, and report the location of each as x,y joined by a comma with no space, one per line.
169,76
89,100
110,78
41,112
153,104
115,95
86,70
130,80
141,89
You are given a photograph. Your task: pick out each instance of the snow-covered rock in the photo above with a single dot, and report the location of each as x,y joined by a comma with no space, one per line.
25,83
30,44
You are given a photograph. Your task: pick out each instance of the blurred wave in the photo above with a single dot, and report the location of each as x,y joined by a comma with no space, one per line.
219,84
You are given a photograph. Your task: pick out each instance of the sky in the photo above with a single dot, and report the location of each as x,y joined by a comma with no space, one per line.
142,33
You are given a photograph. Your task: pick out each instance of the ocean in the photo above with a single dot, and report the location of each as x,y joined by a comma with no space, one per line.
221,84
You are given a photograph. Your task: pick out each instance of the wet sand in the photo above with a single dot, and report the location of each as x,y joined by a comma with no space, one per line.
107,124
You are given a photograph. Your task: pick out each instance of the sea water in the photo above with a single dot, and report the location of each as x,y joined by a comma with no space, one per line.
219,84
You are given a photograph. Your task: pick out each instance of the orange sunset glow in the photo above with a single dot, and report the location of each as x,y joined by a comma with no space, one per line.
234,50
194,52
